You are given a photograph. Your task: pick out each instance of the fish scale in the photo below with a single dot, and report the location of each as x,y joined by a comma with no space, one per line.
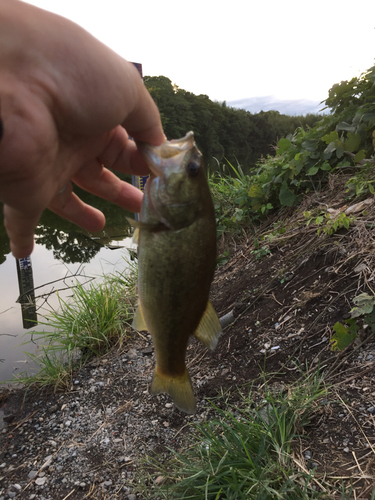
176,263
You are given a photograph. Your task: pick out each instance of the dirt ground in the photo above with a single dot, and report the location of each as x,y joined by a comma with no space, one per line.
286,295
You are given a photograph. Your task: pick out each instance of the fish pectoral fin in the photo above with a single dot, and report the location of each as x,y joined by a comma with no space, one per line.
209,328
136,236
139,320
179,389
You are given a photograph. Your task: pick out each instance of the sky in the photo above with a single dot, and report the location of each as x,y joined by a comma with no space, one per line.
235,49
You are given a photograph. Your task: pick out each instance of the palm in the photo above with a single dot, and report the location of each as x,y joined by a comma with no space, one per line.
62,124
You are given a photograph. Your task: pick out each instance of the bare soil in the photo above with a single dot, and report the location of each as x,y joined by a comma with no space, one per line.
285,304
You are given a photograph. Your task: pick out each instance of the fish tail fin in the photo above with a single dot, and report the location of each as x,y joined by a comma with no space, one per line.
179,388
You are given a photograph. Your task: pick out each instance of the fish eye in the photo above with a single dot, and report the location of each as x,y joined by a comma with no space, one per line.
193,168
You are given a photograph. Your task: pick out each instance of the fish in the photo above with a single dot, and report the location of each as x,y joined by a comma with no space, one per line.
176,236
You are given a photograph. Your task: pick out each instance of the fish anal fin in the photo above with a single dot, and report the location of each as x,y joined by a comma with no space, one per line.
139,320
209,328
179,388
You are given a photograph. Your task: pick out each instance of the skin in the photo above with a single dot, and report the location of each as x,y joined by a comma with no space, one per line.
68,105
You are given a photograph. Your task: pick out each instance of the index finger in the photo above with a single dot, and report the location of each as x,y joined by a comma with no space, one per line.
120,153
143,123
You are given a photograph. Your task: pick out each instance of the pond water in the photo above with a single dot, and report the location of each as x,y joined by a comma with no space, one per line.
63,254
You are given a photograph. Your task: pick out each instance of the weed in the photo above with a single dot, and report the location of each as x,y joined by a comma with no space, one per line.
328,224
346,332
362,182
261,252
86,325
223,258
54,370
245,453
231,201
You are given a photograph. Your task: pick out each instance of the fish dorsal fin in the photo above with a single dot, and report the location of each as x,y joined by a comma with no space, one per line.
209,328
139,320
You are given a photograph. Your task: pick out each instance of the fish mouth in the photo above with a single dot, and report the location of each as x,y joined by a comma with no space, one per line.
166,156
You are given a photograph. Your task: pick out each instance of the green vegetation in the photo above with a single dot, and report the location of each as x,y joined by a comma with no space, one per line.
363,313
87,325
221,132
327,223
304,160
245,452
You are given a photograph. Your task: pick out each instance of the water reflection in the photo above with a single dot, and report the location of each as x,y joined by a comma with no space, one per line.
27,295
62,252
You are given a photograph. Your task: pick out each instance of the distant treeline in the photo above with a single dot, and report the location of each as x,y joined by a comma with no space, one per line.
221,132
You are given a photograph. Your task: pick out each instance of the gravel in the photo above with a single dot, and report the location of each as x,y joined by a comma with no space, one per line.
90,438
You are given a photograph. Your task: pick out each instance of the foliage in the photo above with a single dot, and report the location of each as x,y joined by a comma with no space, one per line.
328,224
231,201
362,182
347,332
245,452
260,251
220,130
304,159
364,304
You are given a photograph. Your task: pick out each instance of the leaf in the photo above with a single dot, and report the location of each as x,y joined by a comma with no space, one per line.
352,142
256,204
286,196
331,147
369,118
255,191
283,145
310,145
361,155
365,304
328,138
339,151
345,126
342,338
346,222
325,166
312,170
352,325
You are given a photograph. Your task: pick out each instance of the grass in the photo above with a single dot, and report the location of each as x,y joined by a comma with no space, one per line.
245,452
86,325
230,197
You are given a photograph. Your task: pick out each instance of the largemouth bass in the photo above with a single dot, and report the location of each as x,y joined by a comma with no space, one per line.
176,258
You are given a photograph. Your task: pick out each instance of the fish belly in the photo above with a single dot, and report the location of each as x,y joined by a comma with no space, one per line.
175,273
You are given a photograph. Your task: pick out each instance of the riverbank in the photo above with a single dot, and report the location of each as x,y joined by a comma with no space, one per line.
89,441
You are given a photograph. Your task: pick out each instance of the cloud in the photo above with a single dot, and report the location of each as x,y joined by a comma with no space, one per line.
284,106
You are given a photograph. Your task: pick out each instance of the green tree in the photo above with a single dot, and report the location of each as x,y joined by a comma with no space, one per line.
221,132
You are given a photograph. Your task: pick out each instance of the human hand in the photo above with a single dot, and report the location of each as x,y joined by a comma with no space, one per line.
67,105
